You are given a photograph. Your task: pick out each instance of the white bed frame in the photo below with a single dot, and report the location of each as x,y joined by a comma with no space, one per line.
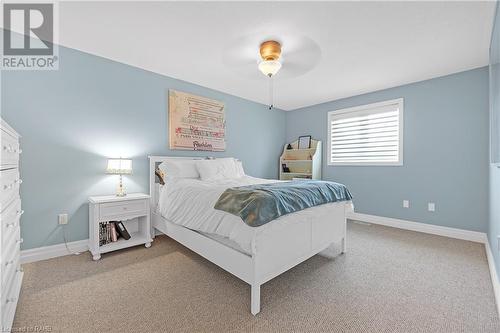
274,256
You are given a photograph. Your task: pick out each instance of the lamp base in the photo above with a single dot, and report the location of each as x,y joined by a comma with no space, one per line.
120,190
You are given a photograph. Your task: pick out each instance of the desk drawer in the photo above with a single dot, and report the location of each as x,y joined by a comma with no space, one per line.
9,186
122,210
9,150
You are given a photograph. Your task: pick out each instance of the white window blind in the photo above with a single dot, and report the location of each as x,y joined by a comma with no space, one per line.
367,135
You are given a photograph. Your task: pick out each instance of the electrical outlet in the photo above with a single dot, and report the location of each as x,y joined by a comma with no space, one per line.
406,203
431,207
62,218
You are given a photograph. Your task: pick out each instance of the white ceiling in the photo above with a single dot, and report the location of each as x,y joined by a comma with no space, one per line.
350,48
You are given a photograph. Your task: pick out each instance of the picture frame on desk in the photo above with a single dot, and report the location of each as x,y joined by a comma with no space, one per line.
304,142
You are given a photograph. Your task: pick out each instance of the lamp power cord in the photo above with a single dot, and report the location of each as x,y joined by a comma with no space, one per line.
65,237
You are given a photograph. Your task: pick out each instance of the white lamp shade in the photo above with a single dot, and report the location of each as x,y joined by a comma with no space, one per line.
269,67
119,166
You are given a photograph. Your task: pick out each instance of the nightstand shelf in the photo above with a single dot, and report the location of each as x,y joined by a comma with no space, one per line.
132,210
136,238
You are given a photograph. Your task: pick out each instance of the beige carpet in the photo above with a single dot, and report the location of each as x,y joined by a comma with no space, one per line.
389,281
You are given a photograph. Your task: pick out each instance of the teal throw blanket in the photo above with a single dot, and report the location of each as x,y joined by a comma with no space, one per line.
262,203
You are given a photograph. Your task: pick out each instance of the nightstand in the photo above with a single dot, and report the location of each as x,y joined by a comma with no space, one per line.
132,210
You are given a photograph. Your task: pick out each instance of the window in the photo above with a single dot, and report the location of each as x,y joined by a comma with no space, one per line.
366,135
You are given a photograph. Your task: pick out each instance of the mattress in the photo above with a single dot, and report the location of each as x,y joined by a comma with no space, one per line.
190,203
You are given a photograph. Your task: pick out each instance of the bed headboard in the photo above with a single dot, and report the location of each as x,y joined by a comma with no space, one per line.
154,161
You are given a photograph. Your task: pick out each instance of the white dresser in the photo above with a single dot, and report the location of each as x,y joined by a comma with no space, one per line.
11,274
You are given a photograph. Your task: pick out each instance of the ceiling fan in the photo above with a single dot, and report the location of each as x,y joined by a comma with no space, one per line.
270,52
290,55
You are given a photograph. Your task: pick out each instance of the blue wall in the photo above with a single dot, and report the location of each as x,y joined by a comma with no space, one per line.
494,221
92,108
445,152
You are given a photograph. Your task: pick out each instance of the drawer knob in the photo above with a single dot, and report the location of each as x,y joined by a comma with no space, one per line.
10,262
20,270
7,187
20,212
10,300
12,224
20,241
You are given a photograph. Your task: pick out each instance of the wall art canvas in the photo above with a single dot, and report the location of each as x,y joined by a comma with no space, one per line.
195,122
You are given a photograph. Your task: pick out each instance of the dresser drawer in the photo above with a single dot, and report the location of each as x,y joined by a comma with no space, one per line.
9,299
122,210
9,305
11,266
9,186
12,244
10,222
9,150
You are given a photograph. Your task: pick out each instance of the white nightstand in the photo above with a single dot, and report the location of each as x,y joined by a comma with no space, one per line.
132,210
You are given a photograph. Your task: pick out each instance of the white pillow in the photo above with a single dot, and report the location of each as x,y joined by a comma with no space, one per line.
239,168
221,168
179,169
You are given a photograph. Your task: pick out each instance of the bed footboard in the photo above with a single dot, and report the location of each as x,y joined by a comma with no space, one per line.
295,245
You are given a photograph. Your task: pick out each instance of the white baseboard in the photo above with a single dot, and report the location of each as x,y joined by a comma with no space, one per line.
53,251
473,236
493,274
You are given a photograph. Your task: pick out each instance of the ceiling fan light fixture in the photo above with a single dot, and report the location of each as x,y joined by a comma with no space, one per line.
270,52
269,67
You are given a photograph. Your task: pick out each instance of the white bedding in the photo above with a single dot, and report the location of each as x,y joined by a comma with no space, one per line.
190,203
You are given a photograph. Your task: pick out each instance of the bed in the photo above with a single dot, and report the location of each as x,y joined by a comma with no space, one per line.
183,210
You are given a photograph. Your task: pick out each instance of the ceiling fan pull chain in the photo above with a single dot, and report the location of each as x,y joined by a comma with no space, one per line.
271,92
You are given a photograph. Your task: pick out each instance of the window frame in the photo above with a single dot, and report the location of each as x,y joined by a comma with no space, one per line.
359,109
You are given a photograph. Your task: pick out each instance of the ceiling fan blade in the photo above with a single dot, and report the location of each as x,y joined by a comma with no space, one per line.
293,69
300,54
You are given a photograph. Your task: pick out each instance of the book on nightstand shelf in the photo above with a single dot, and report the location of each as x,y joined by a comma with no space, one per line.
122,231
110,232
114,234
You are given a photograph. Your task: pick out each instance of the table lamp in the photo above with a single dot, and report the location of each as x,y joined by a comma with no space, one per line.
119,167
